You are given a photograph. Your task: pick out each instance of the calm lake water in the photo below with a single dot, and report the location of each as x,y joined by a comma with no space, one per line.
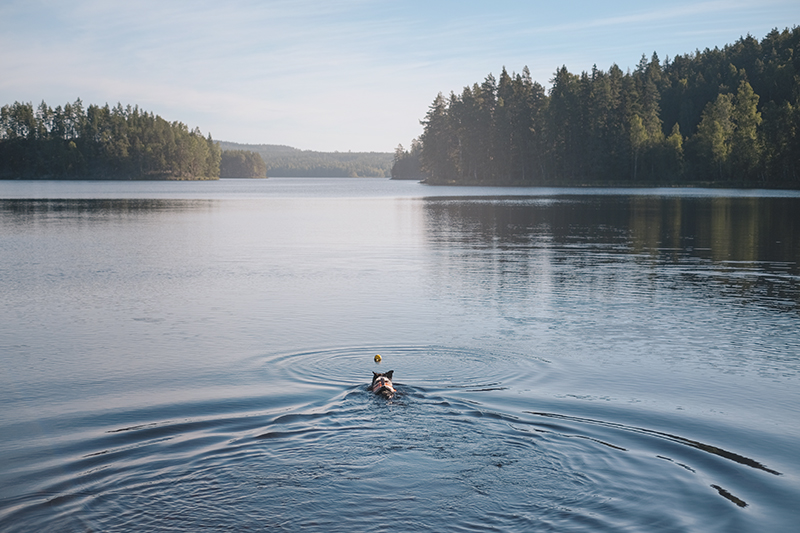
194,356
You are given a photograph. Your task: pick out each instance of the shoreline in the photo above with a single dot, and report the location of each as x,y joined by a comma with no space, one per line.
136,178
791,186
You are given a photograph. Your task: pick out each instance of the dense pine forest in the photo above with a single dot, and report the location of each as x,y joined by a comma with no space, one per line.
726,116
101,142
288,162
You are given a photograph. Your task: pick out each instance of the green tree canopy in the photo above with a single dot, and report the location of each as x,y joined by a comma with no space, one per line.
242,164
101,142
730,115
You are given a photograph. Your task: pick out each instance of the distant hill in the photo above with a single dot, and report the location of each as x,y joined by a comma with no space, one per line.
285,161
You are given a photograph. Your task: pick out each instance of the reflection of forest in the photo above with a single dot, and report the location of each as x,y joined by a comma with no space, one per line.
722,229
746,229
90,210
742,243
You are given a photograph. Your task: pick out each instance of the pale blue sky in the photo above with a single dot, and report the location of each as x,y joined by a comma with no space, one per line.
337,74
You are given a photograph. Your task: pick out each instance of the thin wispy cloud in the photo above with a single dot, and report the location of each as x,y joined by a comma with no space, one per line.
659,14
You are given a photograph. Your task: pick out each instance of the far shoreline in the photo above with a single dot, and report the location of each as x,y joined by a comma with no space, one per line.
608,185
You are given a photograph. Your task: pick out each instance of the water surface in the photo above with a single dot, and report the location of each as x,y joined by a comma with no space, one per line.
194,356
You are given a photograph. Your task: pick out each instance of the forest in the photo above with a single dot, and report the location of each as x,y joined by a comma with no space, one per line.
727,116
242,164
96,142
288,162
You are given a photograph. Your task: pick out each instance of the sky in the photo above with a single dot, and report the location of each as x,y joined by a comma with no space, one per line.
335,75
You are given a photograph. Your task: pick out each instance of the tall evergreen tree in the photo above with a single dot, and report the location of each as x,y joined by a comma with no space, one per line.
715,133
746,142
437,142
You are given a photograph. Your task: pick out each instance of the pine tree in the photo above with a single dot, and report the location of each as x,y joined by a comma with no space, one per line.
715,133
639,141
673,156
746,146
437,142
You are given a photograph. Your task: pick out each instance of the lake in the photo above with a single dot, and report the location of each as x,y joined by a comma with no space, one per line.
195,356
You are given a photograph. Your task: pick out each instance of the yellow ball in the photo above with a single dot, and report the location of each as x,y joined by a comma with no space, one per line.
377,358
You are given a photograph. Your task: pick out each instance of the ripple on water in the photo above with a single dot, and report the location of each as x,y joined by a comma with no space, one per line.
435,458
427,367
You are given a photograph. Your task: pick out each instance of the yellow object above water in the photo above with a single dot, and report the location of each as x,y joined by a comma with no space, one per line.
377,358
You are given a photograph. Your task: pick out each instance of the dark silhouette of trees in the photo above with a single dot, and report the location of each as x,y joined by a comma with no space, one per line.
406,164
101,143
729,115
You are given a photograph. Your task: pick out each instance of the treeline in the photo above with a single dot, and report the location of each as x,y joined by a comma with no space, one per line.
242,164
101,142
285,161
729,116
